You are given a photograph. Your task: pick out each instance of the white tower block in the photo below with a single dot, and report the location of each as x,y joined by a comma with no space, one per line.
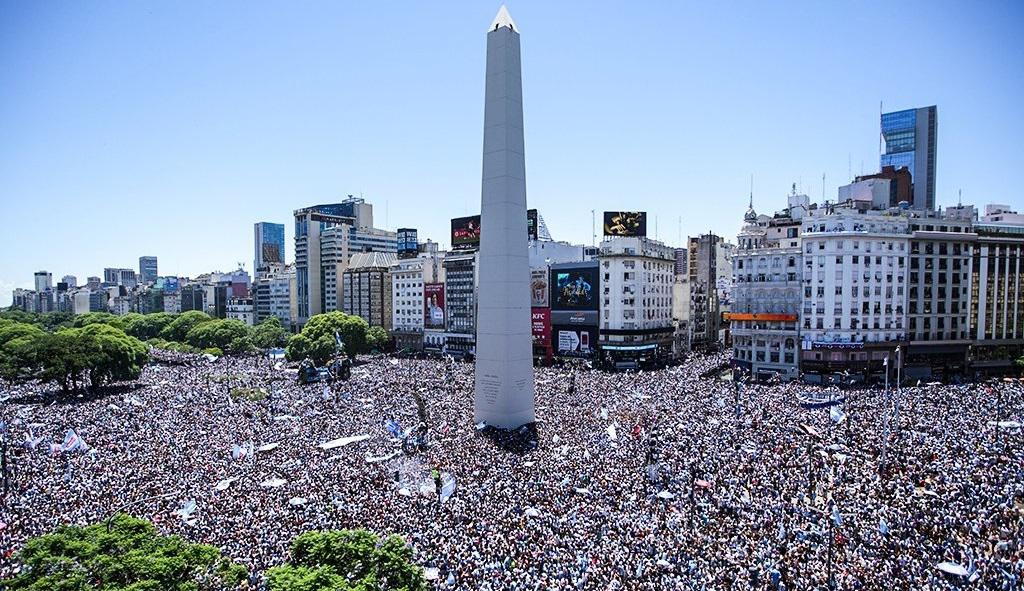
504,349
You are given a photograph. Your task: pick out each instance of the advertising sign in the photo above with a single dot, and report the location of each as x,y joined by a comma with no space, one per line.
574,288
541,327
625,223
539,288
574,339
408,243
466,232
531,223
433,305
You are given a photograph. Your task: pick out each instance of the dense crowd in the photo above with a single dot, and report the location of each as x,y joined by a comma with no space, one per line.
669,479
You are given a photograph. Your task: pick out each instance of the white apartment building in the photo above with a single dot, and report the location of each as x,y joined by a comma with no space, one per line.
272,293
767,296
172,303
855,289
636,324
408,304
242,309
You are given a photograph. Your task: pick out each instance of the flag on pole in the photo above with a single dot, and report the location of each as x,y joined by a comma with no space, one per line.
837,517
31,441
886,361
337,340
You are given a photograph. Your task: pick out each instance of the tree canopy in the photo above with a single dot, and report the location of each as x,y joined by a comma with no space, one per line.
269,334
180,326
131,556
347,560
147,326
94,354
318,337
228,335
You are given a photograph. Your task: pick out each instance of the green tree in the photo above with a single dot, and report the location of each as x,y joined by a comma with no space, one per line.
19,359
230,335
112,355
131,556
353,333
269,334
147,326
319,351
180,326
347,560
98,318
377,338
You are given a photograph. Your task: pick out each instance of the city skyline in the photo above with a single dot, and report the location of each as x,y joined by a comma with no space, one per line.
171,109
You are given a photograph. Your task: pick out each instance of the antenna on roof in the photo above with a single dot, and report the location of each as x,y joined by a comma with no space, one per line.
959,197
822,186
751,190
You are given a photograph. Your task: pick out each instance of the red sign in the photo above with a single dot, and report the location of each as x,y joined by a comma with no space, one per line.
541,327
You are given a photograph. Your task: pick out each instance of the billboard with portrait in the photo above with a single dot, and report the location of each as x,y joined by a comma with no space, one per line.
466,232
433,305
539,288
625,223
574,288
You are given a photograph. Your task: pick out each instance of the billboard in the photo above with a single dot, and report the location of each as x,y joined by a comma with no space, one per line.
408,243
531,224
541,327
466,232
574,288
625,223
433,305
539,288
574,340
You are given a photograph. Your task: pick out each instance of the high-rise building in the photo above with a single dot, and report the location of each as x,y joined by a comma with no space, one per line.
704,268
910,138
269,245
43,280
636,281
461,279
147,270
92,283
71,280
681,260
326,237
115,276
366,287
272,293
411,305
504,394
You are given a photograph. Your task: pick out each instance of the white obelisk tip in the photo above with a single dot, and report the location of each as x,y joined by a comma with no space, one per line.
504,19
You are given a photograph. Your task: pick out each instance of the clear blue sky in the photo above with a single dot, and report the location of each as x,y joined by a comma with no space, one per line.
167,129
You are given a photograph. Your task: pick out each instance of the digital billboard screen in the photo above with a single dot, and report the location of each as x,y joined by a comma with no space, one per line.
433,305
625,223
408,243
466,232
531,224
574,288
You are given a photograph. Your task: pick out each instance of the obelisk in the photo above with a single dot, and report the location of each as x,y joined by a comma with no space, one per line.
504,349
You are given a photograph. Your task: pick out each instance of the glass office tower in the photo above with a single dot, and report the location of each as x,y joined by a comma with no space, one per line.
910,143
269,244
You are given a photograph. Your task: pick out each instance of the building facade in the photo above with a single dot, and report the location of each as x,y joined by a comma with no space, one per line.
272,293
148,270
409,303
268,245
366,285
910,141
764,320
460,289
636,323
706,259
